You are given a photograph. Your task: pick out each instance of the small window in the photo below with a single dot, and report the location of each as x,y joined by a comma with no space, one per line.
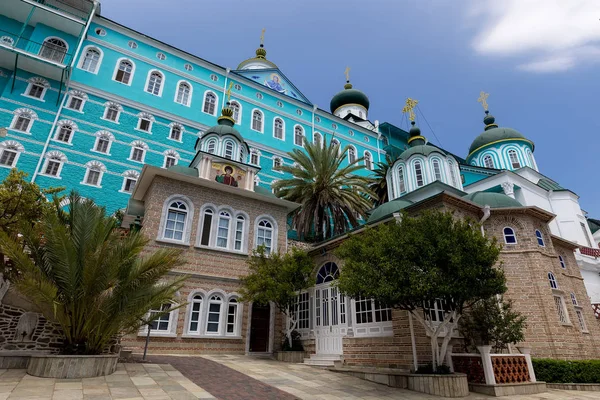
563,264
259,96
162,323
214,314
129,185
132,44
401,183
279,104
170,161
8,156
581,320
64,133
419,174
437,171
36,90
154,83
335,142
560,310
184,91
211,146
91,60
317,118
334,126
175,133
188,67
228,153
366,139
214,78
574,299
75,103
264,235
236,108
175,222
351,132
7,40
137,152
54,50
93,177
53,166
488,161
210,103
509,236
144,125
299,111
540,238
239,233
257,121
514,160
124,72
277,163
196,309
298,135
161,56
254,157
112,113
351,155
22,123
317,139
368,160
206,227
552,280
278,128
100,32
237,87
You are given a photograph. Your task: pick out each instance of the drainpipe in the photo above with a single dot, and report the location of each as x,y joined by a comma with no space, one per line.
313,119
378,137
413,343
225,87
486,215
552,211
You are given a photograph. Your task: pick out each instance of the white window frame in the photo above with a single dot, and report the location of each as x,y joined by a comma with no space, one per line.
561,309
13,147
245,227
238,120
453,178
190,311
96,166
282,128
510,153
274,231
62,61
170,153
401,180
6,40
299,133
581,319
107,107
161,84
226,215
437,162
145,116
368,160
317,138
40,82
171,330
207,145
129,175
181,128
257,153
187,103
131,74
103,135
275,159
491,164
210,209
76,94
552,280
219,323
138,145
83,57
59,126
206,93
421,172
54,156
504,234
262,120
32,116
187,228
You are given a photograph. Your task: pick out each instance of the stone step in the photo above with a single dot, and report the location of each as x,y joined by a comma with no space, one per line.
331,357
319,363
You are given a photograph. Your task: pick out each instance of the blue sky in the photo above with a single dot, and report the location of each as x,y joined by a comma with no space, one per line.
538,59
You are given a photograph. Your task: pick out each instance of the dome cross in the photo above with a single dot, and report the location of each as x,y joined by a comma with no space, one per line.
483,100
410,108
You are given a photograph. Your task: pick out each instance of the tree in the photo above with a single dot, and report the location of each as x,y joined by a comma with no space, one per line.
379,185
492,321
331,196
81,273
433,257
278,278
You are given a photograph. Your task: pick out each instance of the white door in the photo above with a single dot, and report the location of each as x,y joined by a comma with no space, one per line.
330,319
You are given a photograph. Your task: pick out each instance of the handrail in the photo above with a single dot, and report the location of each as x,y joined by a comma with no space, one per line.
47,51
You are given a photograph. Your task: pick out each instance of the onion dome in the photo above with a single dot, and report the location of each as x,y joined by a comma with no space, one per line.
387,209
349,96
418,144
259,61
493,134
225,125
492,199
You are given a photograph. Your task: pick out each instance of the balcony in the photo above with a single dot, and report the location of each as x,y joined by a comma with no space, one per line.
589,251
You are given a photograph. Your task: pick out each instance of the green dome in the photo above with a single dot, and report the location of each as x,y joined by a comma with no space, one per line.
348,96
263,191
180,169
387,209
494,200
493,134
224,129
424,149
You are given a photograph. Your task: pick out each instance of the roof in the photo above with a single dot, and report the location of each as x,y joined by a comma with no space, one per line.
594,224
349,96
184,170
224,130
424,149
387,209
494,135
492,199
548,184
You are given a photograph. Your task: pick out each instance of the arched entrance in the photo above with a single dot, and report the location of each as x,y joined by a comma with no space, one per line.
259,328
330,323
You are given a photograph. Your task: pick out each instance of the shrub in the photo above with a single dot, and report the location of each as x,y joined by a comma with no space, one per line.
429,370
560,371
296,343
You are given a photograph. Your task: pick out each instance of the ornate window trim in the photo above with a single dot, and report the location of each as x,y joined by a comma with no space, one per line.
189,218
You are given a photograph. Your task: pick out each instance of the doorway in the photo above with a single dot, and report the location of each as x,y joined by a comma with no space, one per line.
259,328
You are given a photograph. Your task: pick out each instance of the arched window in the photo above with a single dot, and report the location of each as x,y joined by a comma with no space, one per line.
184,91
154,84
552,280
278,128
211,146
207,218
368,160
176,219
232,308
53,49
264,235
37,88
195,314
76,100
103,142
228,153
540,238
574,299
214,314
54,163
64,132
563,264
298,135
124,72
175,133
401,182
328,272
7,40
509,236
145,122
335,142
257,121
514,160
452,173
277,163
112,112
93,175
171,158
23,119
10,152
138,151
419,174
437,171
130,178
223,229
91,59
488,161
351,155
210,103
236,108
240,223
254,157
317,139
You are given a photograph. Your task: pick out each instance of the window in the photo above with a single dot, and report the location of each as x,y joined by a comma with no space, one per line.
236,108
573,299
170,161
264,235
509,236
433,311
582,324
299,111
100,32
302,309
129,181
175,223
239,233
334,126
401,183
298,135
124,72
223,229
368,311
64,133
277,163
585,234
154,84
183,93
23,120
351,132
175,133
145,122
366,139
514,160
7,40
419,174
214,314
560,310
552,280
214,78
211,146
91,59
452,173
210,103
561,260
196,309
75,103
437,171
317,139
254,157
259,96
368,160
336,143
488,161
54,50
138,151
540,238
36,89
93,175
232,317
10,153
54,163
237,87
206,227
257,121
278,128
161,56
132,44
351,155
228,152
112,112
327,273
161,323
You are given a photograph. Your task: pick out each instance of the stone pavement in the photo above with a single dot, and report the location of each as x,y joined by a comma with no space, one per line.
130,381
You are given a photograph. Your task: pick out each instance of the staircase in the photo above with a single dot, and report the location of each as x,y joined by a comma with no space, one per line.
322,360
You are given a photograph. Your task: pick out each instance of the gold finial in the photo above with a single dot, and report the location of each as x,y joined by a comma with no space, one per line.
262,37
347,72
409,108
483,100
228,92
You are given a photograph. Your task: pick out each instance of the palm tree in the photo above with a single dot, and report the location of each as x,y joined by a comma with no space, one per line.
379,184
83,274
332,196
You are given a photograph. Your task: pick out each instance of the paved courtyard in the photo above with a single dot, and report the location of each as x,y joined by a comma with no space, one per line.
225,378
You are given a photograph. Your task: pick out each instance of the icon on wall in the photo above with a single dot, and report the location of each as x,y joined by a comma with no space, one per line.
227,177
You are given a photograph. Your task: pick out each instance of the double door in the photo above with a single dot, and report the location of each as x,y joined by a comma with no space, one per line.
330,319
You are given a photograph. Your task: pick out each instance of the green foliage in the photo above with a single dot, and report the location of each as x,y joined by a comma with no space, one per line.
492,321
424,258
561,371
277,277
81,273
379,185
331,195
429,369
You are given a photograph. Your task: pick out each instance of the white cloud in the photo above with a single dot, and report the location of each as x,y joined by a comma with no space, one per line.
547,35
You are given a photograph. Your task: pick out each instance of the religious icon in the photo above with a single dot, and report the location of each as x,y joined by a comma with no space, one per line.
275,83
227,178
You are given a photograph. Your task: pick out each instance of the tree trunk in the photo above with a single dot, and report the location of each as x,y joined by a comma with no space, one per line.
438,353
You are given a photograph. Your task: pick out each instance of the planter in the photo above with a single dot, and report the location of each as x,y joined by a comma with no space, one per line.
290,356
72,367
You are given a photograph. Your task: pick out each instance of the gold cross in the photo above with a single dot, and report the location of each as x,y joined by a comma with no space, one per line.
483,99
228,92
262,36
409,108
347,72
